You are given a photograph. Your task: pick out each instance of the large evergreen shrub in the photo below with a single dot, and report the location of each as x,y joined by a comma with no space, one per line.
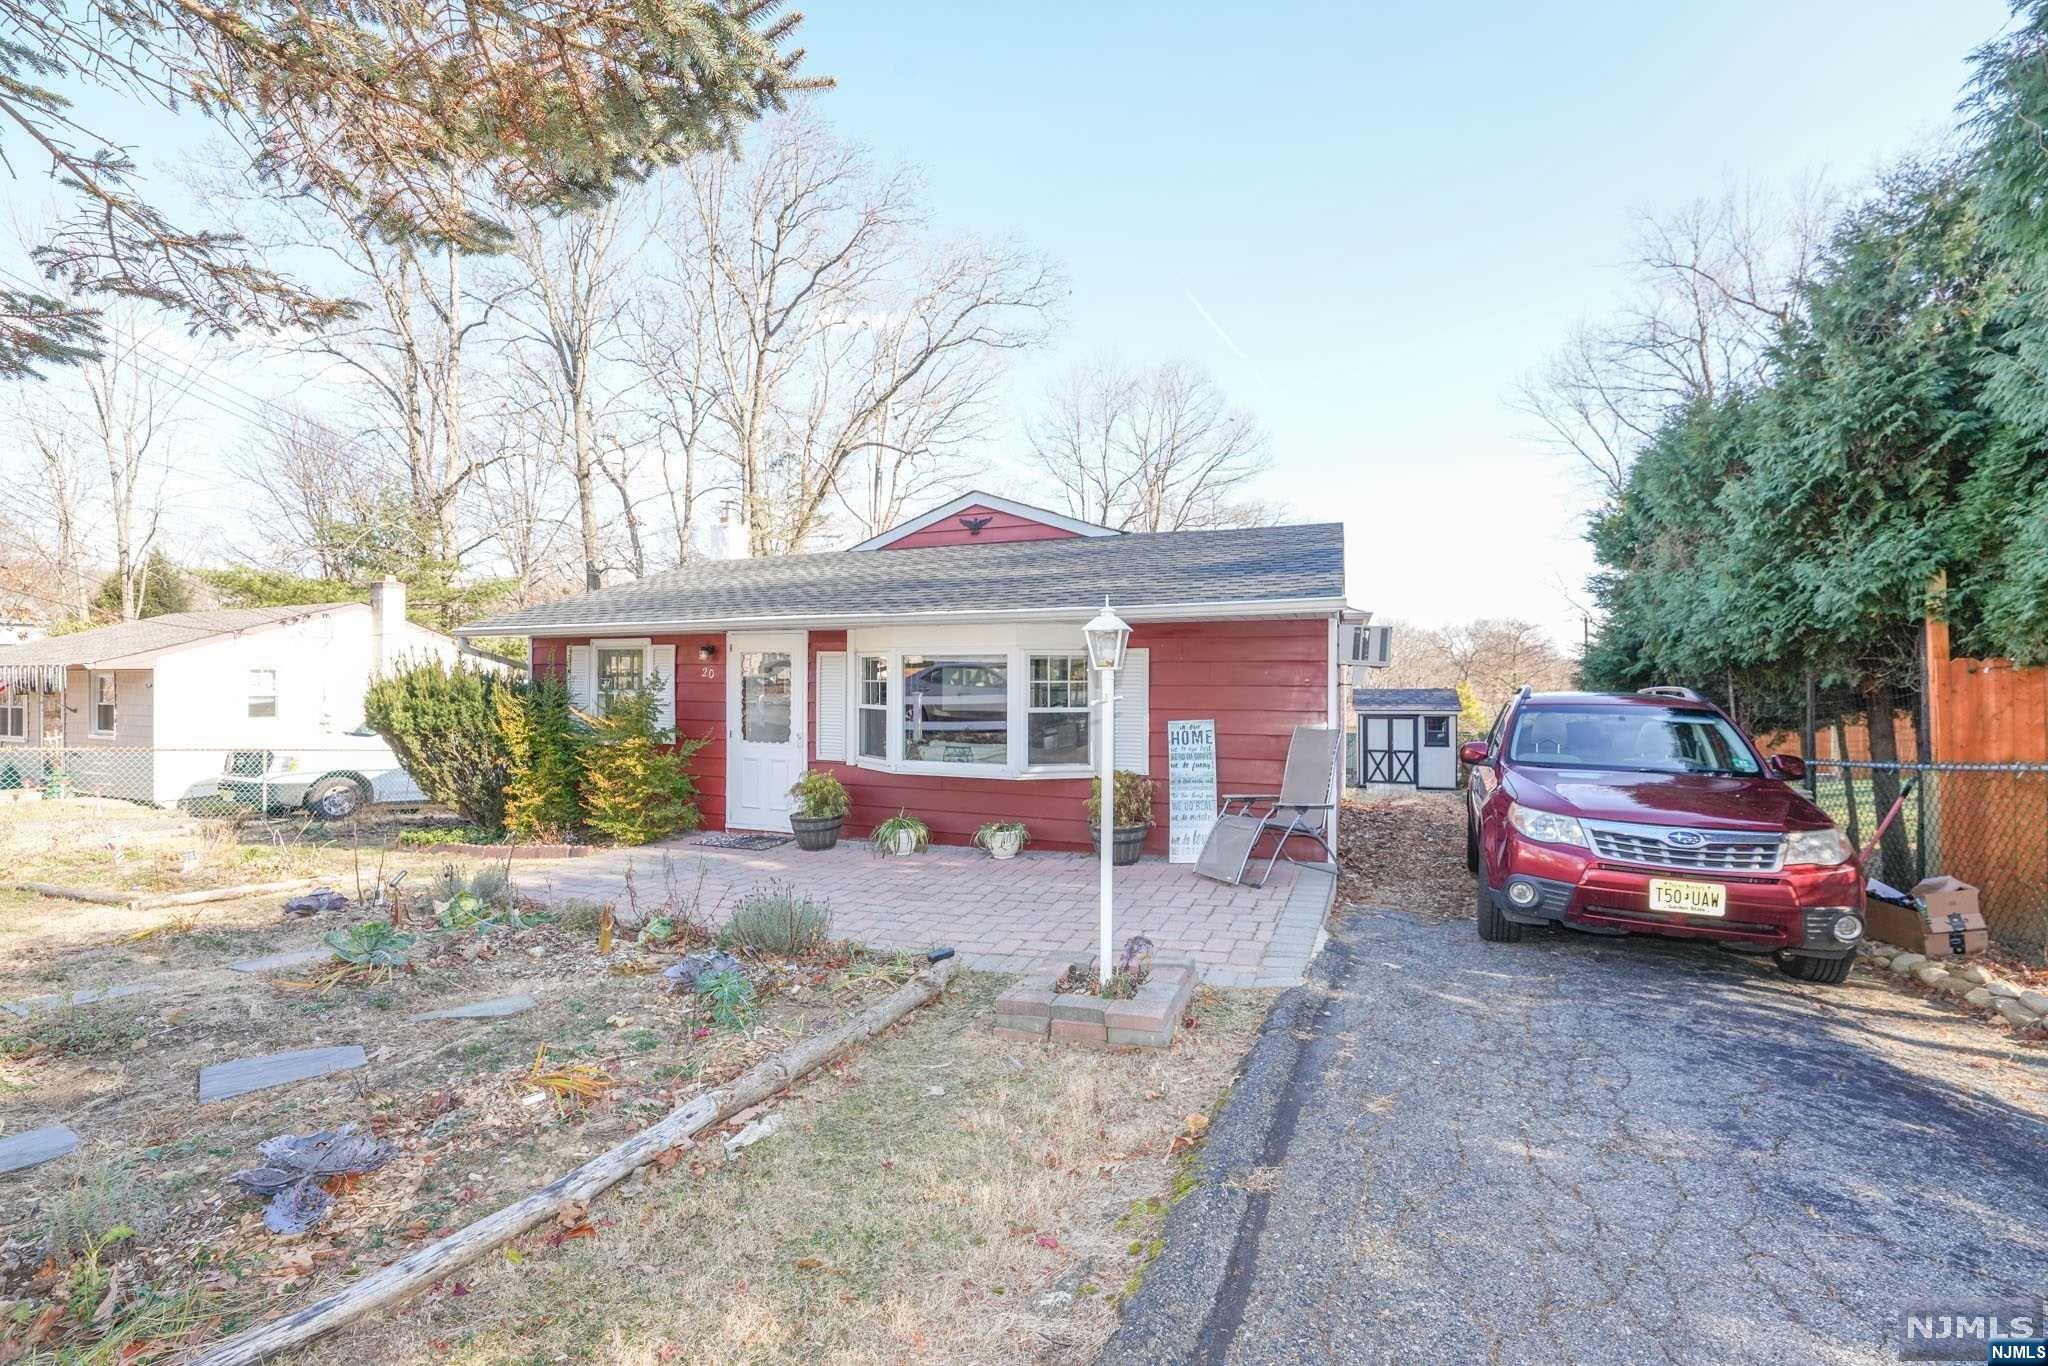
442,723
542,739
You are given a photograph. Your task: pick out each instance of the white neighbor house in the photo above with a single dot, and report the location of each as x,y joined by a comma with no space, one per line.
149,710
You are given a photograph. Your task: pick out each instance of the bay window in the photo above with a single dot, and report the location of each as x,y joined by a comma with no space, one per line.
1010,701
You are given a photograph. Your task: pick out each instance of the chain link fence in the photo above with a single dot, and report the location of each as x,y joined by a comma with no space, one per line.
1986,824
332,781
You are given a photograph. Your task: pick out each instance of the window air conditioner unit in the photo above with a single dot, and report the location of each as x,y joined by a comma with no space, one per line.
1372,646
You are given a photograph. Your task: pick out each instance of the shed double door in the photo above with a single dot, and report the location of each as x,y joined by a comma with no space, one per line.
1389,746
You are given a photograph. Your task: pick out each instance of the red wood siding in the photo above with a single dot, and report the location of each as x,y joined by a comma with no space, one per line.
1002,526
1257,680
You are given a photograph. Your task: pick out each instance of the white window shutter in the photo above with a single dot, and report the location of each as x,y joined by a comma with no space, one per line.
583,678
830,731
661,664
1133,711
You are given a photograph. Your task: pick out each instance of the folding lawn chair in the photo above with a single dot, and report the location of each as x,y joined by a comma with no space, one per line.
1304,798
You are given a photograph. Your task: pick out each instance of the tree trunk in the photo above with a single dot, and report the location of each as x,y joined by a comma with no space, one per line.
1895,858
1848,782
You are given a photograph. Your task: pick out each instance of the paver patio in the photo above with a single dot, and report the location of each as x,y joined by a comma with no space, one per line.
1003,916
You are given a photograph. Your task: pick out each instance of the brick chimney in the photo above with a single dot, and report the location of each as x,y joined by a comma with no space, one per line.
387,625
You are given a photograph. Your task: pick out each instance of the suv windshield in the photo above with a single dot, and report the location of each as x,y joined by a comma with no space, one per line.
1632,738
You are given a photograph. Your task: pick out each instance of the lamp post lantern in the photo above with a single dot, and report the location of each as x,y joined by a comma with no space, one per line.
1107,637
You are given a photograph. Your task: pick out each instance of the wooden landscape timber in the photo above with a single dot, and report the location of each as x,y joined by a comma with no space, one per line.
416,1271
146,901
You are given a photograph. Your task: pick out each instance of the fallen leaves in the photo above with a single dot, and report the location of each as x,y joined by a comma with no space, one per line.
577,1080
1197,1126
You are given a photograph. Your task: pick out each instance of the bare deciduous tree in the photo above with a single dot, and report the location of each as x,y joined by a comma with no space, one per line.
1711,286
566,302
844,359
1160,449
319,492
1493,656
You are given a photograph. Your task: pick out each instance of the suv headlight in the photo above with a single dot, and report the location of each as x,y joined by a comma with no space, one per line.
1546,827
1817,848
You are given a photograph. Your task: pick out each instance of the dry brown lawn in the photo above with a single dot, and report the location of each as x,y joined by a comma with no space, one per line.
916,1206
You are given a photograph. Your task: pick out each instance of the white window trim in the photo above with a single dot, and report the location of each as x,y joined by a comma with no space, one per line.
93,721
11,700
858,703
1014,644
644,644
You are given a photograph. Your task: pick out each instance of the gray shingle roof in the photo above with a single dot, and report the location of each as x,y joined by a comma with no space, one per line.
152,634
1157,569
1406,699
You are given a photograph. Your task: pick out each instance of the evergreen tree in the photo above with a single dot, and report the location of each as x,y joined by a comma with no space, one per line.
543,765
163,590
442,723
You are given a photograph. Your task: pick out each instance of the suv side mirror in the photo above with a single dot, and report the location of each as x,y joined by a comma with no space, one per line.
1789,767
1475,752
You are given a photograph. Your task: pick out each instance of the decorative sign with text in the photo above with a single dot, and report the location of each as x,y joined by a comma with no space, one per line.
1190,787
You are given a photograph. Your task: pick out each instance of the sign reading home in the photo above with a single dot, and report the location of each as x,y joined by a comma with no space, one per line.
1190,787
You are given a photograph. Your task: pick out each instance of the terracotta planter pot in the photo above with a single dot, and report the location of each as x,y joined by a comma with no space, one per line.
1128,843
816,832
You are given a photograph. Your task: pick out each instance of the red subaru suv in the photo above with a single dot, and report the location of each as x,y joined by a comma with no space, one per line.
1652,813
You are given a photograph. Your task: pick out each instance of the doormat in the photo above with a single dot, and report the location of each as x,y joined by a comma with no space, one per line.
725,841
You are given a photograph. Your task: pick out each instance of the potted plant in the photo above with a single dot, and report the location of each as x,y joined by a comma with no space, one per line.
902,834
1002,839
821,807
1132,814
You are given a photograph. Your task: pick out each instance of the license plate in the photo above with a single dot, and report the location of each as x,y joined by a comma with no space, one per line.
1688,898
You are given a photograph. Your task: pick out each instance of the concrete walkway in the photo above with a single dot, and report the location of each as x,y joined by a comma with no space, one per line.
1001,916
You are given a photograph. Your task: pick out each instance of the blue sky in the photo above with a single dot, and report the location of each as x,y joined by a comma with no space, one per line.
1387,215
1392,214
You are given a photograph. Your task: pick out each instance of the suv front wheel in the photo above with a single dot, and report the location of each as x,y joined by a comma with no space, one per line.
1494,927
1826,971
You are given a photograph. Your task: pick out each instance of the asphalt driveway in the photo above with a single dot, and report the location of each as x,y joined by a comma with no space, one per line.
1574,1149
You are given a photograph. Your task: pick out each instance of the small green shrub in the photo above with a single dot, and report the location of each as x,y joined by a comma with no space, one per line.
579,915
372,944
660,930
491,885
731,997
1133,800
818,795
636,782
94,1031
778,919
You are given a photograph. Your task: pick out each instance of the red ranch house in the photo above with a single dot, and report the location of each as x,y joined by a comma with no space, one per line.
939,667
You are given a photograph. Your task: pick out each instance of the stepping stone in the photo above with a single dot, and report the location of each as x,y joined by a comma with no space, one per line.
225,1080
85,997
37,1145
482,1010
296,959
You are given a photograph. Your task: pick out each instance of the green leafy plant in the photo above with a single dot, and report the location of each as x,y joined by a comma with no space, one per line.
893,829
660,930
731,997
995,832
818,795
442,724
371,944
1133,800
636,783
779,919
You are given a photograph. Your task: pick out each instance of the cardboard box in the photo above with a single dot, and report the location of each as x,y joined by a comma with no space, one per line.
1950,926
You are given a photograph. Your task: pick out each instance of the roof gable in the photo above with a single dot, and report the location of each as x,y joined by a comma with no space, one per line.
976,518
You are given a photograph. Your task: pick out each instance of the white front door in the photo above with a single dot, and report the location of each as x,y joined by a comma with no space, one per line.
764,726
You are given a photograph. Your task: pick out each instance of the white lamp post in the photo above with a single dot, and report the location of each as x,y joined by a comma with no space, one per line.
1107,636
